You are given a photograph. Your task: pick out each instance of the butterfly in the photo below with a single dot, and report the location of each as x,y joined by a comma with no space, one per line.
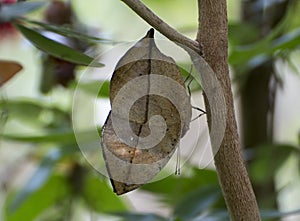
150,113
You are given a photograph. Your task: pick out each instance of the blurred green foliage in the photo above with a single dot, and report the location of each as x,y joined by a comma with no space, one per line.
61,177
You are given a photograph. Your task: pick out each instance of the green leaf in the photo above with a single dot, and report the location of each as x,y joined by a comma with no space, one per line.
267,160
99,196
173,189
52,136
56,49
30,112
9,12
38,179
190,81
25,111
128,216
277,214
241,33
241,54
55,190
197,202
94,86
265,48
290,40
61,137
214,215
68,32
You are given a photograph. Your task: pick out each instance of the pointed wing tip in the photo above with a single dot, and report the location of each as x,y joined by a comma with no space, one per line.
120,188
150,33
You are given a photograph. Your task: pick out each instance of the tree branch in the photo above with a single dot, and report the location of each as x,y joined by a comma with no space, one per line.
232,173
144,12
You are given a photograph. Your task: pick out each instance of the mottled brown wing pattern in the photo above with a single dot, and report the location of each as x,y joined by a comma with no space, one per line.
132,165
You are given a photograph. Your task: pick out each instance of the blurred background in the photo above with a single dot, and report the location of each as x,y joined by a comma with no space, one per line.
45,174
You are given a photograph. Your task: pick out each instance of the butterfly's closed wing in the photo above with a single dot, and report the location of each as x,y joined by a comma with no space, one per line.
144,73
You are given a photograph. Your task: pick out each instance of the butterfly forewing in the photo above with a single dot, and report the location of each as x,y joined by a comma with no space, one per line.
130,161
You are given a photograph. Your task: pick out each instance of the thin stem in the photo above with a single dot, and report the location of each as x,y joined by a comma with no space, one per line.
151,18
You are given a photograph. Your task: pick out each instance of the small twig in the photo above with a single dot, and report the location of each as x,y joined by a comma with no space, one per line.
151,18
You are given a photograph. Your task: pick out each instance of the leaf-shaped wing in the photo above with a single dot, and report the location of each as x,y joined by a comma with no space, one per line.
150,113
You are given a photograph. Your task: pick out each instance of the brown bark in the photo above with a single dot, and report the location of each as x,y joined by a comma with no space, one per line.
233,176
